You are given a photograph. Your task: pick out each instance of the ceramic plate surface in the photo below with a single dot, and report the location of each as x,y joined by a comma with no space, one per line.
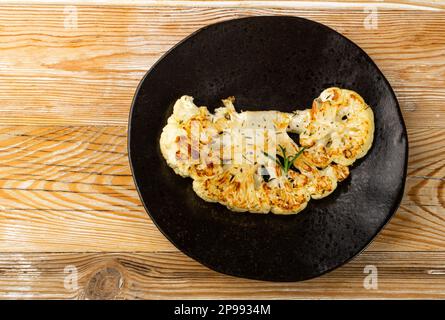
278,63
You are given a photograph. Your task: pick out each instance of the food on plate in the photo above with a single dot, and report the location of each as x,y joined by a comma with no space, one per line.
248,162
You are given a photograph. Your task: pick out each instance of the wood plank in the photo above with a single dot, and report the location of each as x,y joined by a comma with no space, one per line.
70,189
88,74
25,230
171,275
65,188
426,153
344,4
67,199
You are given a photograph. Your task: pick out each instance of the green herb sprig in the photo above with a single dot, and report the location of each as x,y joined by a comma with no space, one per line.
287,161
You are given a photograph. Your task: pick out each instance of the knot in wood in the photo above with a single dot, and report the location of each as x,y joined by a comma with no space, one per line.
105,284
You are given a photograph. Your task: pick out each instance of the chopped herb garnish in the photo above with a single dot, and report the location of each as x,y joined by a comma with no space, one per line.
287,161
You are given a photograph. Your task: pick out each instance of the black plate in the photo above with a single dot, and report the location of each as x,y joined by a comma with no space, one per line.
268,63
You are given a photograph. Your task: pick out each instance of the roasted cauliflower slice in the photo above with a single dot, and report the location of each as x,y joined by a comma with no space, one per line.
339,128
247,161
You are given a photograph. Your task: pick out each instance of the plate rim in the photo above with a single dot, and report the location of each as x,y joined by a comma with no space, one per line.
397,201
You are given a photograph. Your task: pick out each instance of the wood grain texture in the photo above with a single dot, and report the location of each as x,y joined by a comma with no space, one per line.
344,4
62,187
66,194
167,275
87,73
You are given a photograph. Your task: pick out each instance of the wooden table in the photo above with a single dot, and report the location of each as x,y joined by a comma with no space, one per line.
71,223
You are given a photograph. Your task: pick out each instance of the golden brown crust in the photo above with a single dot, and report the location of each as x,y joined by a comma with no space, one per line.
336,131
